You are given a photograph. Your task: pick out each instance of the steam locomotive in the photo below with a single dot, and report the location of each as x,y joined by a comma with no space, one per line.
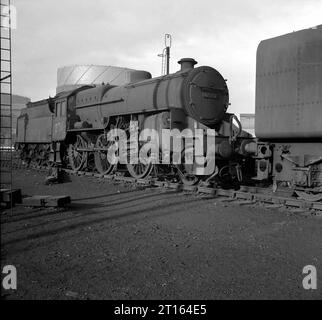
72,128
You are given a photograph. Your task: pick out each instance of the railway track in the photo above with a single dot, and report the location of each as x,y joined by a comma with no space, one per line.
251,196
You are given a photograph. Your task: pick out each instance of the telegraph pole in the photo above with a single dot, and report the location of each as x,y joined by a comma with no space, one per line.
167,42
165,67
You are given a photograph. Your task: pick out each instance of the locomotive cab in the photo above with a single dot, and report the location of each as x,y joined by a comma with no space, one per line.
60,120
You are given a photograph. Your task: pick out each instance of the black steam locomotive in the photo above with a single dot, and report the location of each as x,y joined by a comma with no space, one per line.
73,127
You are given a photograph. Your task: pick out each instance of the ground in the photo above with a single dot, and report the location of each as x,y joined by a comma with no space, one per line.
118,241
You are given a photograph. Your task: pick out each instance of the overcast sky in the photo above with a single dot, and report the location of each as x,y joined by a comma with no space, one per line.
223,34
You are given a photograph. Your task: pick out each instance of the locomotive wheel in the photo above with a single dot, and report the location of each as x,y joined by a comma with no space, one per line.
183,170
41,155
77,158
32,155
140,170
186,178
23,153
103,164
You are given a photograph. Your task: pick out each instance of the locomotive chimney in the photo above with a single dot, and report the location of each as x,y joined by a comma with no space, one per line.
187,63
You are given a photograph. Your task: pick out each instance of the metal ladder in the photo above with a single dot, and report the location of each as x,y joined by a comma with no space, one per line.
165,55
6,139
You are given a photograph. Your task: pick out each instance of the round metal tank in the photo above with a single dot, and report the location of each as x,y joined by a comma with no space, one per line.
73,77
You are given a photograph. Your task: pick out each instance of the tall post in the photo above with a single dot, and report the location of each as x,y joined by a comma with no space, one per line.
167,42
165,55
168,59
